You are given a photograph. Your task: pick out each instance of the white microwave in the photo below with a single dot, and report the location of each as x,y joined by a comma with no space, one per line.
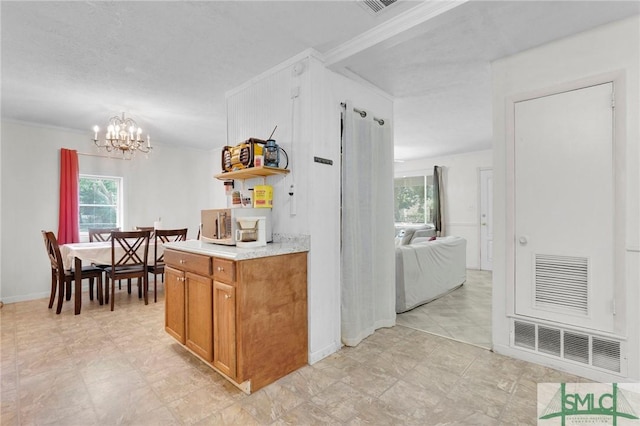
219,225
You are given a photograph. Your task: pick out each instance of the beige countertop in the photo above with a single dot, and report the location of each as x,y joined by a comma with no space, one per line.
281,245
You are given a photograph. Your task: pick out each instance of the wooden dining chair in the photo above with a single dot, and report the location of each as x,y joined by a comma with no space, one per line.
101,234
62,278
146,228
163,236
129,254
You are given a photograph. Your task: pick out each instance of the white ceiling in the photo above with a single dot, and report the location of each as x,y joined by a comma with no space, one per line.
168,64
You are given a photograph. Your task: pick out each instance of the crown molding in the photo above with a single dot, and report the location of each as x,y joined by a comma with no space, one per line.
398,24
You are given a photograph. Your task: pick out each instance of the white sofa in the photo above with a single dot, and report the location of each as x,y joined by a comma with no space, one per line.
428,269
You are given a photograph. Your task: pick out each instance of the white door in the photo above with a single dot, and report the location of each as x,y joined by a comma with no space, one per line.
486,219
564,213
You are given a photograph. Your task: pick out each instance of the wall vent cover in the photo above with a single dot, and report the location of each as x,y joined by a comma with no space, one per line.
606,354
375,6
549,340
561,283
525,335
582,348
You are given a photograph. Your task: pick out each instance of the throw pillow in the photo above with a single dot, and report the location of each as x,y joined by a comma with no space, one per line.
407,236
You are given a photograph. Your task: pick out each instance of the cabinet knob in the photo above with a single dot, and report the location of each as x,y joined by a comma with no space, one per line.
227,296
220,269
182,261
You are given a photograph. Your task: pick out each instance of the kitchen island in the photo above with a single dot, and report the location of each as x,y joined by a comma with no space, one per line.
243,311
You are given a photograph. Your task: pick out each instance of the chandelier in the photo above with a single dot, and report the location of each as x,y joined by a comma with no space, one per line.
124,135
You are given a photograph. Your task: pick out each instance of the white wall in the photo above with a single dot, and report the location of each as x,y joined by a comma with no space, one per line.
609,49
172,184
253,110
308,126
462,193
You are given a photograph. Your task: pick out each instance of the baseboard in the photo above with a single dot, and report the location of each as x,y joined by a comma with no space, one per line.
25,297
324,352
41,295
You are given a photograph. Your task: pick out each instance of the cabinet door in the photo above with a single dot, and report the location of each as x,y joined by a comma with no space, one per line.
199,313
174,303
224,328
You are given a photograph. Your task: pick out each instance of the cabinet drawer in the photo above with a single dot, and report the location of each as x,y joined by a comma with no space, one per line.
224,270
190,262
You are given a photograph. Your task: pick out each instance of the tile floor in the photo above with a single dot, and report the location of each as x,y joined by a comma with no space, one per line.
108,368
463,314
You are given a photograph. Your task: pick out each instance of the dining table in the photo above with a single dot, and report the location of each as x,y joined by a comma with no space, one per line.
94,253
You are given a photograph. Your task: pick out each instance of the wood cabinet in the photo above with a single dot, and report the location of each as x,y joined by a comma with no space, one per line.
174,303
199,314
193,273
224,328
248,318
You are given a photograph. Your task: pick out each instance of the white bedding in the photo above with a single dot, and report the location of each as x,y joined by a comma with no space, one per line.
428,270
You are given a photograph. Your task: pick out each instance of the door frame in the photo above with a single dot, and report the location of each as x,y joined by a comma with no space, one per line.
619,154
479,216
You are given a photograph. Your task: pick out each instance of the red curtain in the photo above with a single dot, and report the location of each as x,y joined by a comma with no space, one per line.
68,229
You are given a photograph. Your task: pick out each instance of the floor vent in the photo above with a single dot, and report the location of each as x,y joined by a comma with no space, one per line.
578,347
561,283
376,6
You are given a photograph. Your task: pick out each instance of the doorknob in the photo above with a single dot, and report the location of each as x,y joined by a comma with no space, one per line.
523,240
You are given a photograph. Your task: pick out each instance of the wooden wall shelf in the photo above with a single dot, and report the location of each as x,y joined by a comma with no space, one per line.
252,172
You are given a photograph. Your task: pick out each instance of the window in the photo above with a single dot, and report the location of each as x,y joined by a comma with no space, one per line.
100,202
413,199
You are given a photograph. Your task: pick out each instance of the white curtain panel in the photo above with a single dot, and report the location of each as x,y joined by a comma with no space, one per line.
368,250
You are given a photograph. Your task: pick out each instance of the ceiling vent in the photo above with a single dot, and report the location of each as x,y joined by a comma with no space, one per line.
374,7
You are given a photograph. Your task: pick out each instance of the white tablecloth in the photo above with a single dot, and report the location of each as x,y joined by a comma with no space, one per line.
98,253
